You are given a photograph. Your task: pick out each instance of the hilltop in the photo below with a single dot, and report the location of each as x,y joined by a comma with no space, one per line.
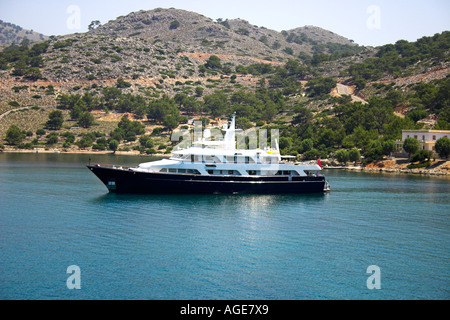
11,33
151,44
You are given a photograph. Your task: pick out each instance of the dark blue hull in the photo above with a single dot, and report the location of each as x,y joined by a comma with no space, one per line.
128,181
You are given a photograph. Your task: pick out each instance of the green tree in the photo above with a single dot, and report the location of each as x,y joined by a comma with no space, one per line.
422,155
33,73
78,109
411,145
146,142
213,62
84,142
374,151
216,103
171,122
40,132
86,120
121,84
14,135
160,108
307,145
342,156
113,145
55,120
354,155
389,146
199,91
94,24
52,138
443,147
320,86
417,115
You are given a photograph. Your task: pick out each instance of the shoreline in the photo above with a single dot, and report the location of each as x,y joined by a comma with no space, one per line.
86,152
422,171
434,171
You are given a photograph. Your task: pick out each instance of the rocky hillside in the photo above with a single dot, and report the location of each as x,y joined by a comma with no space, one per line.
186,31
157,49
11,33
174,43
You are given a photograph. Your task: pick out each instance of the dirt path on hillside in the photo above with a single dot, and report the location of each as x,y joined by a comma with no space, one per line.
342,89
9,111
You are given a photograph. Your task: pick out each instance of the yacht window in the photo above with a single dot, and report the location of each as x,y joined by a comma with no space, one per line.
173,170
209,159
286,173
163,170
233,173
181,170
240,159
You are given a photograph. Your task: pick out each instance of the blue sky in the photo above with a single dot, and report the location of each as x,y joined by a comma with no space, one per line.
374,22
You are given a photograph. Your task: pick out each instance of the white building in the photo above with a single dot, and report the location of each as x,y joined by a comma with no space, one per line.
427,138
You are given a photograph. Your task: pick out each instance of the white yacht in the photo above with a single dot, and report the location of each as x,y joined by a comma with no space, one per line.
216,167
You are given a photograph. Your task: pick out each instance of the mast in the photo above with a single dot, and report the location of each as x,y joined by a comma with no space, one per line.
230,135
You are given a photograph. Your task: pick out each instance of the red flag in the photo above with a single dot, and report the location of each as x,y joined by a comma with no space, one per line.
319,163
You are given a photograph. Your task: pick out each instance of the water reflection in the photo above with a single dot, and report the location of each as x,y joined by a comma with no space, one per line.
248,201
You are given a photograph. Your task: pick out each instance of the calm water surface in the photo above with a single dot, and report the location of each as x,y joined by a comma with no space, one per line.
55,213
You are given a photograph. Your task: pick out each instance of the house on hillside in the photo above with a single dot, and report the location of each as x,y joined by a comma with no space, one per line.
427,138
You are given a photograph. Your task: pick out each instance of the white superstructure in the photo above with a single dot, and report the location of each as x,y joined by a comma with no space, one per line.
221,158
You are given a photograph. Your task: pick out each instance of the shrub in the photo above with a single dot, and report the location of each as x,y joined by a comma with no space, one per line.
174,25
421,156
13,103
419,165
342,156
312,154
14,135
443,147
84,142
52,138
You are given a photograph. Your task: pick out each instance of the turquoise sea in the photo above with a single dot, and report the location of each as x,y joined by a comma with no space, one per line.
54,213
